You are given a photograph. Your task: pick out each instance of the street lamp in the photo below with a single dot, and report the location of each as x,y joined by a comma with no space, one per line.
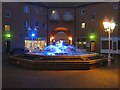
32,34
109,26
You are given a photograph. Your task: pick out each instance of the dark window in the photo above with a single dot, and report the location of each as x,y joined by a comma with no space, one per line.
26,9
82,11
115,5
114,45
7,12
92,30
105,45
44,11
54,16
44,26
36,24
26,24
37,10
67,16
119,45
93,17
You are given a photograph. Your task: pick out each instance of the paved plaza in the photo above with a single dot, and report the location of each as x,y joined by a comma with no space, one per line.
17,77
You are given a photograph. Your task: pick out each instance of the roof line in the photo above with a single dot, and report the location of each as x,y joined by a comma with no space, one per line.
89,4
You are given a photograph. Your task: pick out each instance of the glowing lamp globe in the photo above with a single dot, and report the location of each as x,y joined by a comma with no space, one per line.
33,34
70,38
106,23
92,36
112,24
8,35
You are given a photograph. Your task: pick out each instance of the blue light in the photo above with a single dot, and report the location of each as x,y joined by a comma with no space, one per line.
33,34
60,49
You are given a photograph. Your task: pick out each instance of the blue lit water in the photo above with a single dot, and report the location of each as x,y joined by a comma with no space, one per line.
61,49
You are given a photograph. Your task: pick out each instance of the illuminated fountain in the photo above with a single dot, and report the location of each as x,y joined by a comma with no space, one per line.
60,49
59,56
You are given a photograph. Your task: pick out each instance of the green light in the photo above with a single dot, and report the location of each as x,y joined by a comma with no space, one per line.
8,35
92,36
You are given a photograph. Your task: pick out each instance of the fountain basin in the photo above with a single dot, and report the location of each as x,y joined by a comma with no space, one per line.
64,62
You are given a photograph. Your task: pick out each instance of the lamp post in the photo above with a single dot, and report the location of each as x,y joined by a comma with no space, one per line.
32,34
109,26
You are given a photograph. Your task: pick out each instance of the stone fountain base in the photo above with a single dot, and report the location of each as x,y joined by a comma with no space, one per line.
40,62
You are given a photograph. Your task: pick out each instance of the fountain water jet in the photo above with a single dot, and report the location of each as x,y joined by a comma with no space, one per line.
61,49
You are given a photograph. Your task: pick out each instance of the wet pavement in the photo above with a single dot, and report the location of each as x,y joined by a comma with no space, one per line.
101,77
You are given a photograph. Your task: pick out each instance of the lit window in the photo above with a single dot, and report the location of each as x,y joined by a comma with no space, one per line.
80,42
26,9
83,25
7,13
84,42
82,11
7,27
115,5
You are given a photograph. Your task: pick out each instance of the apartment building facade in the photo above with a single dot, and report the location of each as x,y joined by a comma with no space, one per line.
80,26
90,32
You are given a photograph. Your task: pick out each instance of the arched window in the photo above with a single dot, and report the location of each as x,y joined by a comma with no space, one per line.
67,16
54,16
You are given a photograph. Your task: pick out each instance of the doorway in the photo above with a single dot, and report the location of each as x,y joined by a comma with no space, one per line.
7,46
92,44
61,36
